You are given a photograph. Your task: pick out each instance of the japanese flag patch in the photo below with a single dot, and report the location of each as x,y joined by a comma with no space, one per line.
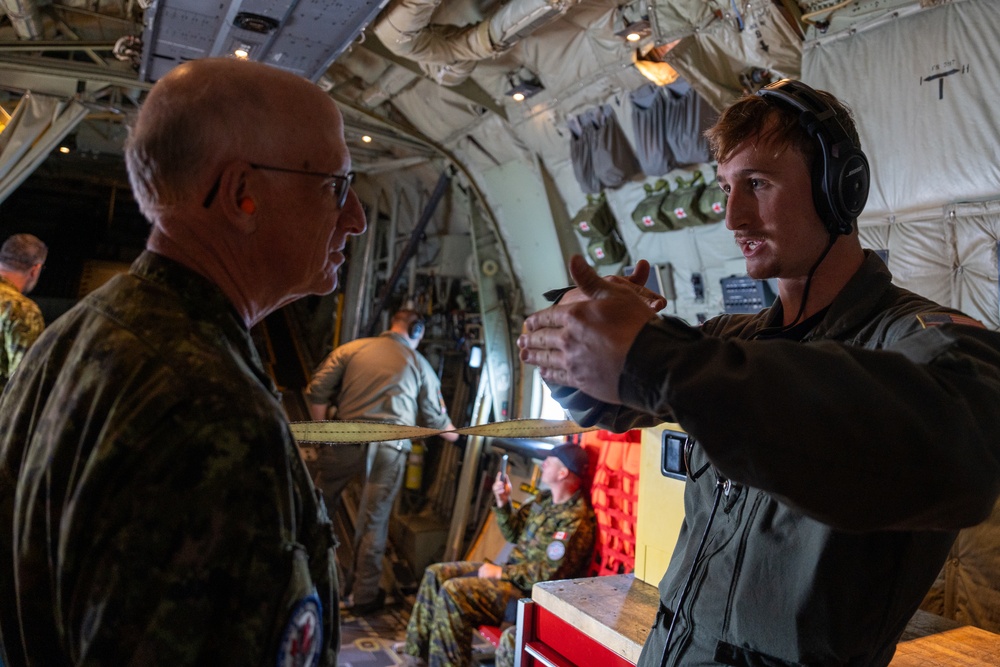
302,639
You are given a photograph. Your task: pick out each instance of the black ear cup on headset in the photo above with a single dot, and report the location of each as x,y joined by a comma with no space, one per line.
840,176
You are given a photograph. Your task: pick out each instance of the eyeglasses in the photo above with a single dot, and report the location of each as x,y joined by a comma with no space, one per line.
341,182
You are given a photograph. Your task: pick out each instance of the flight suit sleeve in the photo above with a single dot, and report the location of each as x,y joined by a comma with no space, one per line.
430,402
899,436
323,387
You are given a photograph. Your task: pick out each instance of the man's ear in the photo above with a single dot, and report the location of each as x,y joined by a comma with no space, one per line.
236,199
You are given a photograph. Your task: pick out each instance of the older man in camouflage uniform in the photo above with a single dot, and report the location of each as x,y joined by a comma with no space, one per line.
553,538
21,260
154,507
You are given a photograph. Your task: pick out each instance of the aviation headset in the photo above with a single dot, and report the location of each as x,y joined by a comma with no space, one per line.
840,172
416,327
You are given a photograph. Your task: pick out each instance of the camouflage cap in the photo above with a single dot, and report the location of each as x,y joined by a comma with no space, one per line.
573,457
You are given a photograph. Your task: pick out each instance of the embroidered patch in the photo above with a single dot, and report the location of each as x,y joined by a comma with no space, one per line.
303,636
937,319
561,535
555,550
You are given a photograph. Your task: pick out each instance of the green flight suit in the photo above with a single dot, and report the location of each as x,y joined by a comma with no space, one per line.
854,452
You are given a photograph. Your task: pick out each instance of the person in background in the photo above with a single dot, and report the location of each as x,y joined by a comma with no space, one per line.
22,258
553,536
838,440
155,507
385,379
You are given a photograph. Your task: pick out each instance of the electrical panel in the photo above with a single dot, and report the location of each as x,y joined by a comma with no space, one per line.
743,294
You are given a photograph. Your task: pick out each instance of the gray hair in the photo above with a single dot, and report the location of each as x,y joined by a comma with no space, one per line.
186,126
22,251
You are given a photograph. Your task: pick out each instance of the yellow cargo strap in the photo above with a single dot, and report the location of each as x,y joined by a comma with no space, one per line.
315,433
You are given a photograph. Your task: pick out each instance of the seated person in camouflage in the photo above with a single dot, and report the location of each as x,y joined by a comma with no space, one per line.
21,260
553,537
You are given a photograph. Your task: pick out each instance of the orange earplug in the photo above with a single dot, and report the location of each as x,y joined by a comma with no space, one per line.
247,206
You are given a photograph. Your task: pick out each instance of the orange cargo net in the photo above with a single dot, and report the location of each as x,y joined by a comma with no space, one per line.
614,494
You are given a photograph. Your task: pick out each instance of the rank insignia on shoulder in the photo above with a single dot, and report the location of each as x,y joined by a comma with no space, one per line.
302,638
937,319
555,550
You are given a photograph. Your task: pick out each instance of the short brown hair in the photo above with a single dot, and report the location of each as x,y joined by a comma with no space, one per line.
754,118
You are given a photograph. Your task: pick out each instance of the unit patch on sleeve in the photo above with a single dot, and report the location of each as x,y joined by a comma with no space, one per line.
937,319
303,636
555,550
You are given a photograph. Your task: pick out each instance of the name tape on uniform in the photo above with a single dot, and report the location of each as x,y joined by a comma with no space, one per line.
314,433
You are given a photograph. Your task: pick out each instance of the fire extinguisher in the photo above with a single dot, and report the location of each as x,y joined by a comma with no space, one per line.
415,466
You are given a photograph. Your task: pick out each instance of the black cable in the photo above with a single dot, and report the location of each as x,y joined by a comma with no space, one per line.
719,486
809,278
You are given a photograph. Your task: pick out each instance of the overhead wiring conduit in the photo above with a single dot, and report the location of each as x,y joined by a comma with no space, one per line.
449,53
25,16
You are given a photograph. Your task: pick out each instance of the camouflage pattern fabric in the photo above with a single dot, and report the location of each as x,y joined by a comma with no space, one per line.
451,602
550,542
20,324
506,647
155,508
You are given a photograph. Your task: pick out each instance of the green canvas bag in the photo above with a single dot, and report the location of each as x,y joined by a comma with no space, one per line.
607,250
712,203
595,218
648,215
681,205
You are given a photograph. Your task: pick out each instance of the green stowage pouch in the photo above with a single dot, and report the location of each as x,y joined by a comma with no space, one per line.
681,205
606,250
595,218
648,215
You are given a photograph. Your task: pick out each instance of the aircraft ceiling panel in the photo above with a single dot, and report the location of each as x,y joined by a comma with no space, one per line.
300,36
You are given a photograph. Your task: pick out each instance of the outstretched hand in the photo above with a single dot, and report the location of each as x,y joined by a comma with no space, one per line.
583,343
635,282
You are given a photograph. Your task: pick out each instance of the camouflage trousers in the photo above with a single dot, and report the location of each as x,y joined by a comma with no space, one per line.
506,648
452,602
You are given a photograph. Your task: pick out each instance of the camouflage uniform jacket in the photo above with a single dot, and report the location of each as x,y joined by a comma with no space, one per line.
20,324
550,541
161,512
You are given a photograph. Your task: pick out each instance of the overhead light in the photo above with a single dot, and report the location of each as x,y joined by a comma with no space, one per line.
242,51
64,149
365,138
524,90
635,31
